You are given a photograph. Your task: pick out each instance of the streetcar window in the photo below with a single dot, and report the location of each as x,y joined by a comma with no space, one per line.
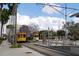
18,35
24,35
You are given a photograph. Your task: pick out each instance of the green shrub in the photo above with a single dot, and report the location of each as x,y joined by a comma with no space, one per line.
16,46
0,41
1,38
19,45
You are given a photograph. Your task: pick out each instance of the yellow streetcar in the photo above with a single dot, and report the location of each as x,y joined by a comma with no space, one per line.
24,37
21,37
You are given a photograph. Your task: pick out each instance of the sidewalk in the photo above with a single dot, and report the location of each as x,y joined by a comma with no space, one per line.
24,51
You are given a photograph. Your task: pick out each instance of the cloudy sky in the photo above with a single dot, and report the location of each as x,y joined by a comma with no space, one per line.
44,15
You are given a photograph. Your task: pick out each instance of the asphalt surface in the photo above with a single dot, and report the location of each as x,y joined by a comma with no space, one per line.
46,51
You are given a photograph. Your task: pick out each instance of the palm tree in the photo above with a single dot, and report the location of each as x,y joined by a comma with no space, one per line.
1,6
4,15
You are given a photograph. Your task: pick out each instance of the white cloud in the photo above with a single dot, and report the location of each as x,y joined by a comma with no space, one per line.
43,22
50,9
23,19
76,20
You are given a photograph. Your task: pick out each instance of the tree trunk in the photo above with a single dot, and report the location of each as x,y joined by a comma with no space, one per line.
1,6
1,29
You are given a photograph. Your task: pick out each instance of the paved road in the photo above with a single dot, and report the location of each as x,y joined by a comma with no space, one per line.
46,51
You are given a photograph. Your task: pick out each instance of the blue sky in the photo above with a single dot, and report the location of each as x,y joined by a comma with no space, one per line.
34,10
32,13
44,16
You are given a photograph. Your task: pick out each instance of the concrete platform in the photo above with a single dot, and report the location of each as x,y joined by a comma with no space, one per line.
24,51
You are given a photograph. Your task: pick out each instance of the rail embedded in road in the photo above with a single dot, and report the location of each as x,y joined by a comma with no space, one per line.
46,51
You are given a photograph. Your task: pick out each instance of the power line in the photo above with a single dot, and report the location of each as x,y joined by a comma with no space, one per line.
58,6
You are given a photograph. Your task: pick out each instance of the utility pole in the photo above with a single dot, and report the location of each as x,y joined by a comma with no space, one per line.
14,11
66,34
66,20
15,23
48,37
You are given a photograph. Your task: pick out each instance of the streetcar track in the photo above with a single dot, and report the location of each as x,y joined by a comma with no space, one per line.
37,50
46,51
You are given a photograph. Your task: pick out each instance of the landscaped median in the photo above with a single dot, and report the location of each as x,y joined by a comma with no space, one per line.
18,45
